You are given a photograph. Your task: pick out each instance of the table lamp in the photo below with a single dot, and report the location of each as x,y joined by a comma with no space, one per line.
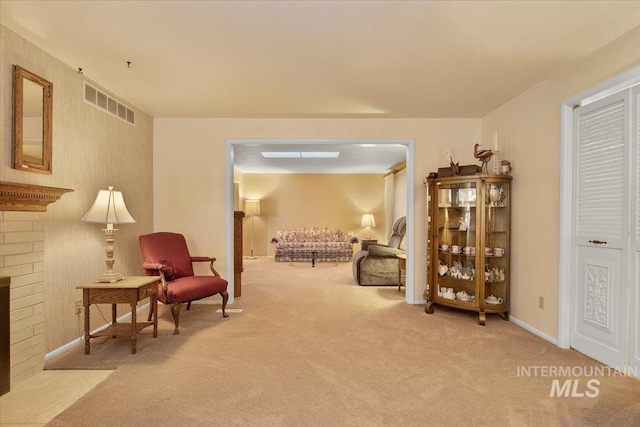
109,209
368,222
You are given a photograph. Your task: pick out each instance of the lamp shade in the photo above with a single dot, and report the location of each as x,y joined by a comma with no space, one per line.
368,221
109,208
252,207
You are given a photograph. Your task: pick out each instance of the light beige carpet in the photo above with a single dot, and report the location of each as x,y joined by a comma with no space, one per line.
311,348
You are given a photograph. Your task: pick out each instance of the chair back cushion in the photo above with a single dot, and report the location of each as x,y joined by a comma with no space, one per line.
169,249
396,240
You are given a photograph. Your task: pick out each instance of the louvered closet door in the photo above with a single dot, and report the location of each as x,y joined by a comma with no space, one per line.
634,343
600,306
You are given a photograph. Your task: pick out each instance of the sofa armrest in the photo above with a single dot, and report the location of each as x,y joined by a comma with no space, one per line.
384,251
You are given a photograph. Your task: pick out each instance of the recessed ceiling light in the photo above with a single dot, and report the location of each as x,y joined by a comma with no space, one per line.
280,154
298,154
320,154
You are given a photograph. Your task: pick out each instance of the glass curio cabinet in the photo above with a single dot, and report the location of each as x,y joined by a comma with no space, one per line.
468,243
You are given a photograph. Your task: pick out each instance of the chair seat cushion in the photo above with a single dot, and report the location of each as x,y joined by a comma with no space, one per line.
191,288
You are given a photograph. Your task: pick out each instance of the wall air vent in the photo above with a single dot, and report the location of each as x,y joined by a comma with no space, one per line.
104,102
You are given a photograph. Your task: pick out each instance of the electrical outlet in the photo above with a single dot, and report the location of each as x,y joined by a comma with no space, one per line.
541,302
78,306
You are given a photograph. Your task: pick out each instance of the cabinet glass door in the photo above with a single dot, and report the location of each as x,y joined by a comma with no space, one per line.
456,216
496,245
427,293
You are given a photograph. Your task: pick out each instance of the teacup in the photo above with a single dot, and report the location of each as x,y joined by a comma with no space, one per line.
498,251
449,295
450,290
467,250
443,290
442,270
488,251
455,249
444,247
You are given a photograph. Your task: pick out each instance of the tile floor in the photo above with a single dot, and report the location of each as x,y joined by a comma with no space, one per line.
37,400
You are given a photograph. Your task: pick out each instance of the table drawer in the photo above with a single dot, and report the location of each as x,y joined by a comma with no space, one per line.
147,290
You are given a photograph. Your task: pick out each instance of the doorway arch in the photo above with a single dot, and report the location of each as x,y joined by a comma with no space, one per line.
410,203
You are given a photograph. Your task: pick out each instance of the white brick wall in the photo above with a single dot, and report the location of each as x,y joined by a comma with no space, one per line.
22,258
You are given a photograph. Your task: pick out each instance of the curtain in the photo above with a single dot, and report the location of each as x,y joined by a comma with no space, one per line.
400,195
389,203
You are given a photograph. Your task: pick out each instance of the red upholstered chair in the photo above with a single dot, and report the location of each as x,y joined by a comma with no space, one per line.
166,254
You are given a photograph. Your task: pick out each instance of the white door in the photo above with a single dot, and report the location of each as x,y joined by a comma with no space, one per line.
634,343
600,308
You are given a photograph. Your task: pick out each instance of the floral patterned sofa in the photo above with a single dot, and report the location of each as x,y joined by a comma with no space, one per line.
314,243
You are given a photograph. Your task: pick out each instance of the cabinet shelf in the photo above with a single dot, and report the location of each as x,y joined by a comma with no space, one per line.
458,206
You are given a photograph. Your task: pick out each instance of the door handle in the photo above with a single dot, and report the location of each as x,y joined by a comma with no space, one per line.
597,242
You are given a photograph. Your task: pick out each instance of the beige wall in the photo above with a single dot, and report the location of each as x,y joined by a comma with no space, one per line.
529,136
91,150
190,162
311,200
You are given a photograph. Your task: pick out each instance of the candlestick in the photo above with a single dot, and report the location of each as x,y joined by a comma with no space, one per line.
495,166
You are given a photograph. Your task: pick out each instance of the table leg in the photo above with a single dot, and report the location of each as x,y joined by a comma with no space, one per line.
134,329
114,316
87,323
154,305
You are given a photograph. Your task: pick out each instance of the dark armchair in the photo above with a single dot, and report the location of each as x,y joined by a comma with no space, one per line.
378,264
166,255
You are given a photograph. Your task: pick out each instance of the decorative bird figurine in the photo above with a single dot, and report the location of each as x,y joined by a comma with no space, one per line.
455,167
483,155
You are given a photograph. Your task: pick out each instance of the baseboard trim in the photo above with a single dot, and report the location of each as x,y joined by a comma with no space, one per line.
533,330
60,350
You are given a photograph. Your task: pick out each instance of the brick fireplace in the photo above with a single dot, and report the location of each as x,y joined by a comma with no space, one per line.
22,238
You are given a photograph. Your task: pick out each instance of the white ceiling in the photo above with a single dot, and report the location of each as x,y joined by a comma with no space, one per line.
355,157
338,59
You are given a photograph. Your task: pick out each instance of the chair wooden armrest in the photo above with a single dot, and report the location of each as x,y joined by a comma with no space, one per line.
206,259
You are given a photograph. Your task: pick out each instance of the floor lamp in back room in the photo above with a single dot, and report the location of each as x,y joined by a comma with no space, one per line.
252,208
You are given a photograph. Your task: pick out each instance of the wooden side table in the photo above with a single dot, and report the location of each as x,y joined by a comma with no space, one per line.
129,290
402,266
367,242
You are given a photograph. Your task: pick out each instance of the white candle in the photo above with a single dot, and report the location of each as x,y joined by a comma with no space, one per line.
495,141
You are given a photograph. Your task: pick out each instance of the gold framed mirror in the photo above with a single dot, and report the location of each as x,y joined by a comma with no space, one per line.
32,121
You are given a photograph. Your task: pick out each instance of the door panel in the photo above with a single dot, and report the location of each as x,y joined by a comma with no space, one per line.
600,315
600,309
634,343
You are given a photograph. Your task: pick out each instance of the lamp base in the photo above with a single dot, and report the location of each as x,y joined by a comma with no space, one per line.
109,278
